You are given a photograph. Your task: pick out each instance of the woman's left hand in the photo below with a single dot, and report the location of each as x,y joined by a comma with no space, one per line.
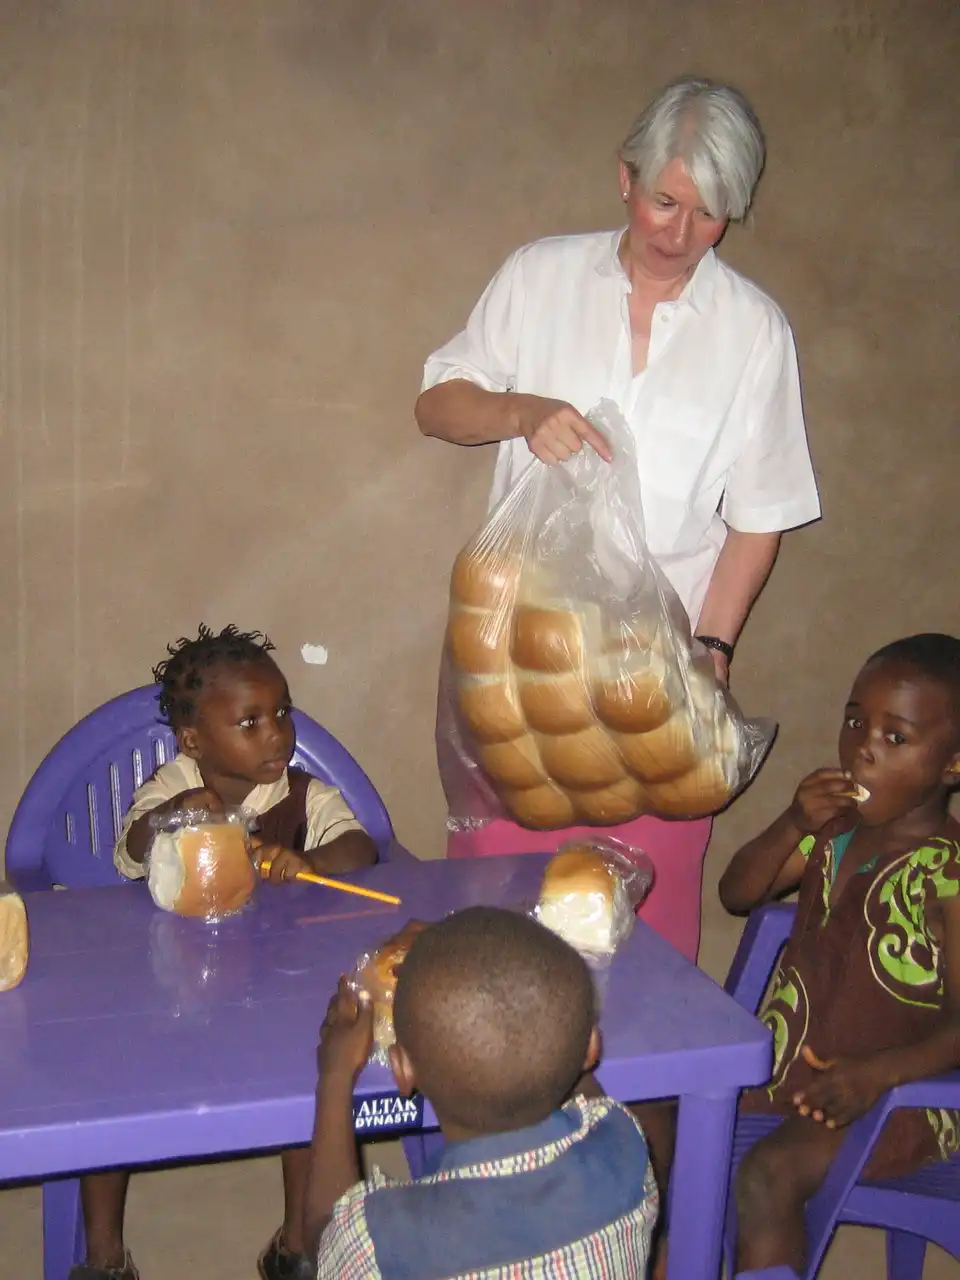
846,1089
721,666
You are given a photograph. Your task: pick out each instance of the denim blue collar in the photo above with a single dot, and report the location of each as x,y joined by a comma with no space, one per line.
500,1146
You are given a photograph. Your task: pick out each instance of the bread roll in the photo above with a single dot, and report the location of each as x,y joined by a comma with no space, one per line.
485,579
702,791
551,639
478,641
583,900
541,808
14,940
606,806
203,871
491,708
634,696
515,764
662,753
585,759
379,979
558,703
624,639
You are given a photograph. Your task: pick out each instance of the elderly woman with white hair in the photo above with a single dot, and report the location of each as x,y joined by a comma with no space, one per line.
702,364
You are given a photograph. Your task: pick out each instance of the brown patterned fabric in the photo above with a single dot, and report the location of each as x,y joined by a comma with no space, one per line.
286,823
860,975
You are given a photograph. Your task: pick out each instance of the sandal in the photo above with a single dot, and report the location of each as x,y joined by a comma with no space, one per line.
277,1262
84,1271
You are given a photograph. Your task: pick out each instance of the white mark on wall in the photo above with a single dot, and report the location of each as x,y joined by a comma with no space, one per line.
314,654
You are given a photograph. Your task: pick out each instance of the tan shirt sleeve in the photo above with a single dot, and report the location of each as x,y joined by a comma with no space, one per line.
179,774
328,815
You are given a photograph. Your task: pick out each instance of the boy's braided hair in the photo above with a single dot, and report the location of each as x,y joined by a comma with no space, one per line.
181,675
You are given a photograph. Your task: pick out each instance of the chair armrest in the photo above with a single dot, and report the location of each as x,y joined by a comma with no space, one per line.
29,880
824,1208
764,936
396,852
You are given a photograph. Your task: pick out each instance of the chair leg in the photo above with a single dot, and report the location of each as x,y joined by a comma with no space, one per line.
905,1253
63,1239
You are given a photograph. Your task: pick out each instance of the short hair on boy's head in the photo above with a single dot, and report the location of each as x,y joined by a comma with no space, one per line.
931,654
181,675
496,1013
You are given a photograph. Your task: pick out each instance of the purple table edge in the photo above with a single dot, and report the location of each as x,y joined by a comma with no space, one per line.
706,1121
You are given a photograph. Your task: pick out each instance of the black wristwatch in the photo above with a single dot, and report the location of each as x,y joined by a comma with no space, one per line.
721,646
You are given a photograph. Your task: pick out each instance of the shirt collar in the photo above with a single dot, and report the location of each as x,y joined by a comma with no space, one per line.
493,1147
698,290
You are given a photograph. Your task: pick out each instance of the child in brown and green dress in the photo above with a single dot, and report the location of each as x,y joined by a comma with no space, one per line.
867,993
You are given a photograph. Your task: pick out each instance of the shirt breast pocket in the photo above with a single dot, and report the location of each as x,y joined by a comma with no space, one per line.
680,449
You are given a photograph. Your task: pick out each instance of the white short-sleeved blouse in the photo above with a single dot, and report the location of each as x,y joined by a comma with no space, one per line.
717,413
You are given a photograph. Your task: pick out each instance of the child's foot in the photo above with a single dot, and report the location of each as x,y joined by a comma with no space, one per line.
84,1271
277,1262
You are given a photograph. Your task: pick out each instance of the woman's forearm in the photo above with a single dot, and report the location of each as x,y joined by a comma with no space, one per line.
463,413
742,570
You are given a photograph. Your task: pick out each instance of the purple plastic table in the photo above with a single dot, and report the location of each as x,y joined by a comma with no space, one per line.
138,1037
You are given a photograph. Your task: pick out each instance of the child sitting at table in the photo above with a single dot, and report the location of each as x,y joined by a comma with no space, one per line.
495,1021
229,705
867,994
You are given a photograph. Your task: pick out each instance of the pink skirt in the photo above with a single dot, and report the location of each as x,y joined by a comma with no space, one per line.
676,850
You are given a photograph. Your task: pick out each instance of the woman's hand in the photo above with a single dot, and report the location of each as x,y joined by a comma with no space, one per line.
721,667
820,798
555,431
847,1088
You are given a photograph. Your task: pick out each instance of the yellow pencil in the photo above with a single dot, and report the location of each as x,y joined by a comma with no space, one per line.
310,878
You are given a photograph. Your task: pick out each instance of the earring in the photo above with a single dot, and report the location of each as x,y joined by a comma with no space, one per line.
624,194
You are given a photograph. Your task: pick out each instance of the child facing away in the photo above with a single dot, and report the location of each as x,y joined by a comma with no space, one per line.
867,993
495,1022
229,705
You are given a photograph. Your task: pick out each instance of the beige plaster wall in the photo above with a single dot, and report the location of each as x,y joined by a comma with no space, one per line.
230,230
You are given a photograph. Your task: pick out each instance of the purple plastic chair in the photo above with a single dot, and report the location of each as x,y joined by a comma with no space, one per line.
68,819
66,825
922,1206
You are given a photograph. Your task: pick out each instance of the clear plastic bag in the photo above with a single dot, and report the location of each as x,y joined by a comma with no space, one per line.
14,937
571,689
200,862
590,894
375,973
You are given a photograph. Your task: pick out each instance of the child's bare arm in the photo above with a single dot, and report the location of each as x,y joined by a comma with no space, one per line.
347,852
848,1087
771,864
346,1038
140,835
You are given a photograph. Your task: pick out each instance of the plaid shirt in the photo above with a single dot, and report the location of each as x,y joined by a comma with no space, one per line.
572,1198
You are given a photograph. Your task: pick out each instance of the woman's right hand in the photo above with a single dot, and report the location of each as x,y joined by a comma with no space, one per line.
555,431
820,798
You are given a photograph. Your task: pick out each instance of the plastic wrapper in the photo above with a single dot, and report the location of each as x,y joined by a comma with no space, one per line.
571,689
590,894
14,937
200,862
376,974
